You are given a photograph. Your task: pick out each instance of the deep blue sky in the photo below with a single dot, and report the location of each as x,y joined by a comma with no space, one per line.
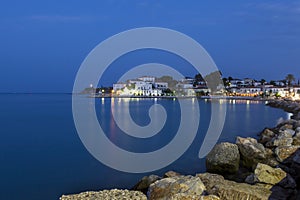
43,43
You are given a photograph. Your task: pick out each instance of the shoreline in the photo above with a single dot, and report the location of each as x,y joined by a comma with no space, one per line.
186,97
264,168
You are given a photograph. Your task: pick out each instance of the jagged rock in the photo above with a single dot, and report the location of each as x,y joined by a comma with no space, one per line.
296,116
287,133
284,138
266,135
170,174
251,179
284,152
185,187
224,158
268,175
251,152
107,194
279,141
296,138
230,190
210,197
286,125
145,182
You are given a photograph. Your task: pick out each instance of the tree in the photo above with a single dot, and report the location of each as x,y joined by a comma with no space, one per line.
199,78
225,82
272,82
290,78
263,81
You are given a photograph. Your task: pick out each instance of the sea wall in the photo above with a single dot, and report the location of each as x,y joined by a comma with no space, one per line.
267,168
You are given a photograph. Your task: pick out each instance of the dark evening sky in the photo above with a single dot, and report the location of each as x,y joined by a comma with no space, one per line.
43,43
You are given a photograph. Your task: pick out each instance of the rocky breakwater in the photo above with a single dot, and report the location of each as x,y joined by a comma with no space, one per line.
272,162
288,106
267,168
252,169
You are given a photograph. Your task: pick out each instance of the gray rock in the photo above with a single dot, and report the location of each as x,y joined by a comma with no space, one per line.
251,179
230,190
296,116
279,141
251,152
145,182
179,187
284,152
224,158
170,174
286,125
114,194
286,133
266,135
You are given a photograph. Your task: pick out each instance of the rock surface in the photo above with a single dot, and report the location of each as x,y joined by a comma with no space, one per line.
180,187
224,158
114,194
144,184
266,135
230,190
284,152
268,175
251,152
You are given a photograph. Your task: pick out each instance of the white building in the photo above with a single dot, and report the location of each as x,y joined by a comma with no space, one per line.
119,86
150,79
248,81
161,85
184,85
249,90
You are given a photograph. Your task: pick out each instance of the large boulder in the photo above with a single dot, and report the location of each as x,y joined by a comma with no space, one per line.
268,175
251,152
145,182
106,194
179,187
224,158
230,190
266,135
279,141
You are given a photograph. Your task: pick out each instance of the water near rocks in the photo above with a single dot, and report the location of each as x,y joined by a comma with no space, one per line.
42,157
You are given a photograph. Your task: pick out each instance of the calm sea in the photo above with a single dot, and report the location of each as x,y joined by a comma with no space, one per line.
42,157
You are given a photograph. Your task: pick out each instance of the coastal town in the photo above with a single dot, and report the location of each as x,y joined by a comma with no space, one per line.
166,86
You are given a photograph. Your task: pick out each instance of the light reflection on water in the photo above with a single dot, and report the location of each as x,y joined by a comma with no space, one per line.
39,141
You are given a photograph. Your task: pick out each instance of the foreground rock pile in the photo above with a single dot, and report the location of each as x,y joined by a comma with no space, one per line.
267,168
107,194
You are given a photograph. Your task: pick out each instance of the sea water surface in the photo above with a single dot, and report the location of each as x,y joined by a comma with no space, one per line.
42,156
